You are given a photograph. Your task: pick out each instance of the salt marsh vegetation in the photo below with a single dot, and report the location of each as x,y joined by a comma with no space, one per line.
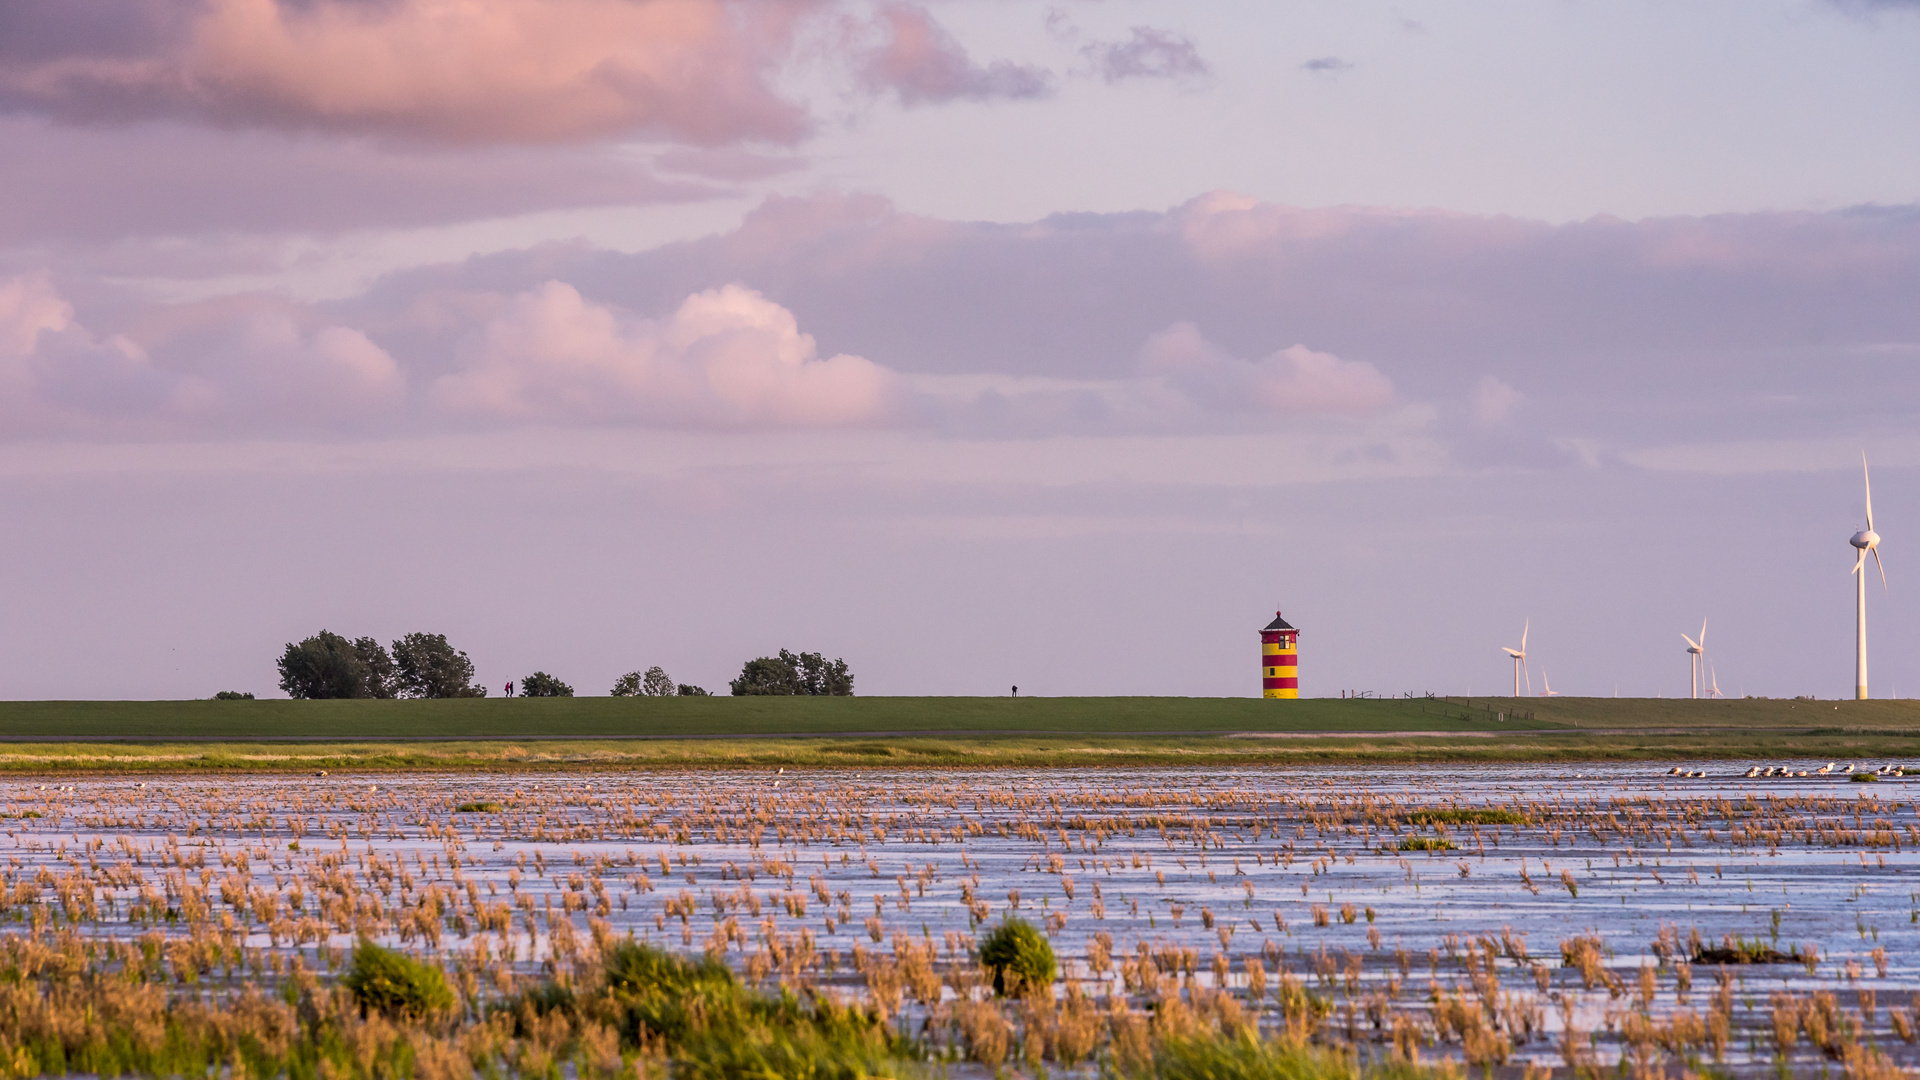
830,923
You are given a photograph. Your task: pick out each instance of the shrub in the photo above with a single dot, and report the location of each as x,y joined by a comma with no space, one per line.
393,983
1015,953
662,995
477,808
1426,843
1864,778
690,690
232,695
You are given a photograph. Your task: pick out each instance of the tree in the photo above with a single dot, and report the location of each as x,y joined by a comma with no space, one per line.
794,674
821,677
381,679
325,665
690,690
767,675
427,667
541,684
656,683
233,695
653,683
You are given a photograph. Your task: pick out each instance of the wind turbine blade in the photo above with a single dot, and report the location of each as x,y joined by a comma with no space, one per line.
1869,482
1877,563
1529,675
1703,635
1690,641
1862,558
1523,635
1510,652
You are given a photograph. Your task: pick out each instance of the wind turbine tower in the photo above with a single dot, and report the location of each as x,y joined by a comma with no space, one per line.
1520,661
1695,650
1864,541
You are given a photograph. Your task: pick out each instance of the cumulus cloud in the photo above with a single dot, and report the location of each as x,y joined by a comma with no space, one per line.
238,365
924,64
727,357
1293,381
454,71
1148,53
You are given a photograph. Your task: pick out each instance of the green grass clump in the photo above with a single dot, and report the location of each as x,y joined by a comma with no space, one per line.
1863,778
1244,1057
1468,817
477,808
659,994
1018,956
1426,843
713,1027
395,984
1738,950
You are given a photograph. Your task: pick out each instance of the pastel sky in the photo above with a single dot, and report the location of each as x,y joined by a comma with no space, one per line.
979,342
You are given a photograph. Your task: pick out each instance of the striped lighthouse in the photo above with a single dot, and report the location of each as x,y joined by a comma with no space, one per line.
1279,660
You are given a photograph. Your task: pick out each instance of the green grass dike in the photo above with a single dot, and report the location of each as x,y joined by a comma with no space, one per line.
943,732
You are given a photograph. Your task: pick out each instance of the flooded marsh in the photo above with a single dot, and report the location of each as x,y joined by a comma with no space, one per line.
1523,918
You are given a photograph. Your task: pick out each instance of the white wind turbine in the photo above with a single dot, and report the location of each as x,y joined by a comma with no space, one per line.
1548,683
1696,649
1864,541
1715,676
1520,661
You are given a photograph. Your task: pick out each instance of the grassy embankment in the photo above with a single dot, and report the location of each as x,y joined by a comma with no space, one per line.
938,732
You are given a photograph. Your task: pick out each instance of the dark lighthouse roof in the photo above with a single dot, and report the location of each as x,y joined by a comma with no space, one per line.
1278,623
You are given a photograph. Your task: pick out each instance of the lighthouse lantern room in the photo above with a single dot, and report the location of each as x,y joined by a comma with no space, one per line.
1279,660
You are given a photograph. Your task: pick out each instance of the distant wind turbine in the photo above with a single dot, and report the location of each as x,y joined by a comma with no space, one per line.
1695,649
1520,661
1548,683
1864,541
1711,674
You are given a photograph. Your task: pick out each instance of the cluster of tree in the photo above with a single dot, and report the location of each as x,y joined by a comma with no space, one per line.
327,665
653,682
541,684
794,674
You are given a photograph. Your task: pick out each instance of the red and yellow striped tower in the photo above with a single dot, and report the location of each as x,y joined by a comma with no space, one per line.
1279,660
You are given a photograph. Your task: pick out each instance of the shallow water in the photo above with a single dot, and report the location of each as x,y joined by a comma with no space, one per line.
1150,857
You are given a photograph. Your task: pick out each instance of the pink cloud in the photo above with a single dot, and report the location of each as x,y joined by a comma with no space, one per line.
1293,381
727,357
231,366
923,63
454,71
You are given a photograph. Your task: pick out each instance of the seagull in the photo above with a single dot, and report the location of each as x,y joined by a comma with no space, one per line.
1755,771
1825,769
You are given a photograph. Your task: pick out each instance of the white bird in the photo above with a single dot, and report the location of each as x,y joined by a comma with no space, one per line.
1864,541
1754,771
1520,660
1825,769
1695,649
